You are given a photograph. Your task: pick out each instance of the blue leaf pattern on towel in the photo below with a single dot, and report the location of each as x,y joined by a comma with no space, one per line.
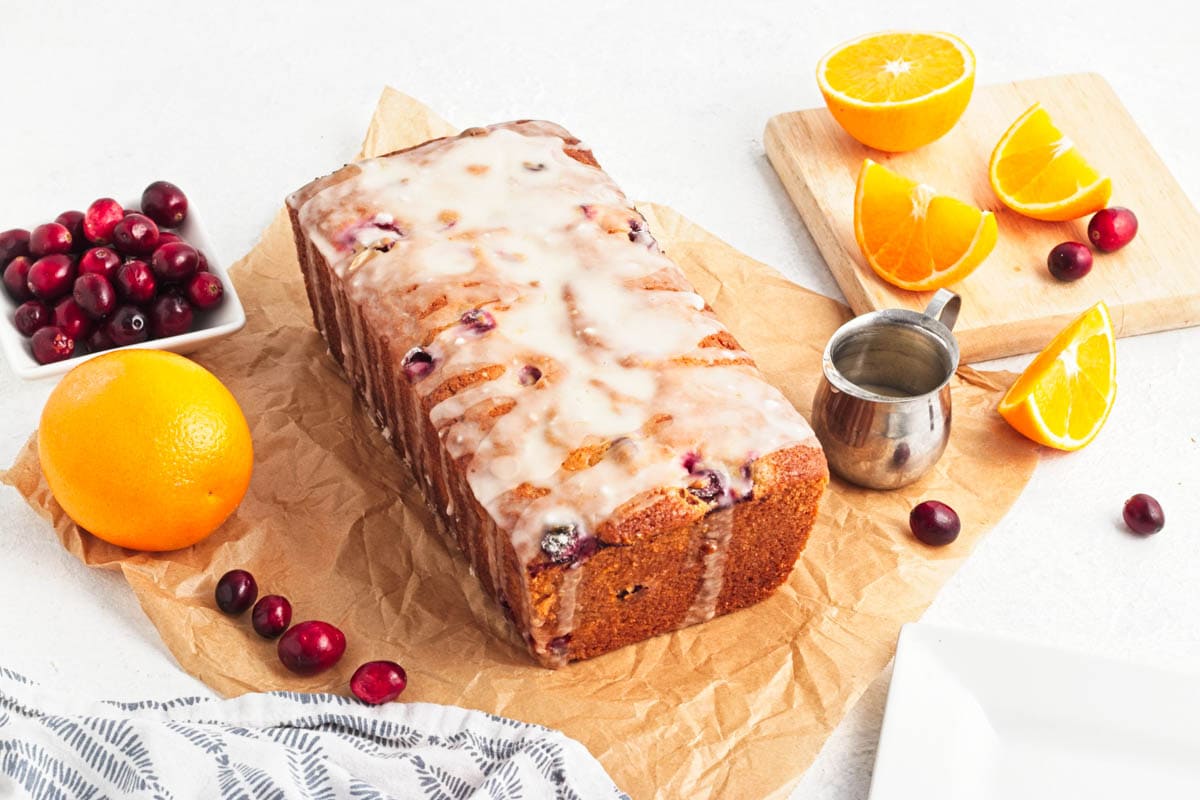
438,784
280,746
110,749
503,783
43,776
306,762
361,790
200,736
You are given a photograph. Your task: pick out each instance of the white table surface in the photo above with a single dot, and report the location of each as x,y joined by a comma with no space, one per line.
240,103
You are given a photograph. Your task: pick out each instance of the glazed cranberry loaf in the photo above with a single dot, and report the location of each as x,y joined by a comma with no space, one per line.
607,457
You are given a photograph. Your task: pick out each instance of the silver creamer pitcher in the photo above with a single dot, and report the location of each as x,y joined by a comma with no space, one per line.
882,411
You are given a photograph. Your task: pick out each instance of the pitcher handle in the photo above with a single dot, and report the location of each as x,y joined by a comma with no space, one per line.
944,307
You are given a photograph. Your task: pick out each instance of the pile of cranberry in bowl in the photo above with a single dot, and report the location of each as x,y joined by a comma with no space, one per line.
112,276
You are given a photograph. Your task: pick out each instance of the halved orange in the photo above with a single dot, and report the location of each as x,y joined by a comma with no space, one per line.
1036,170
898,90
914,237
1064,396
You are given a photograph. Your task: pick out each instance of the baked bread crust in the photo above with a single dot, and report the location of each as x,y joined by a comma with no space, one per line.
592,529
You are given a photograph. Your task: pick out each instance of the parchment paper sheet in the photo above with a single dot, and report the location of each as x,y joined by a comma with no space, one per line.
738,707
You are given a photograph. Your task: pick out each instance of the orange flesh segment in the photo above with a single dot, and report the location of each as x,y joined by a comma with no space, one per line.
1037,165
894,67
910,235
1064,396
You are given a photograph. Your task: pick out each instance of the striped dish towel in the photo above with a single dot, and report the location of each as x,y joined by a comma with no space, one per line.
279,746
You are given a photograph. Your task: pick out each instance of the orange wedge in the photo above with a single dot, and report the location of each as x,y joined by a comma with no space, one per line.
898,90
1063,398
914,237
1036,170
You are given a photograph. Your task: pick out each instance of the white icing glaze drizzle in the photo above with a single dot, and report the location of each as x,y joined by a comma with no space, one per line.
549,247
714,550
568,605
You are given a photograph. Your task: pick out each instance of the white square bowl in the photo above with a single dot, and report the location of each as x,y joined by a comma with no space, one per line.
975,717
227,318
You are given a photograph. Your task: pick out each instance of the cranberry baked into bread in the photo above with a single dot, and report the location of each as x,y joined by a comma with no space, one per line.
610,461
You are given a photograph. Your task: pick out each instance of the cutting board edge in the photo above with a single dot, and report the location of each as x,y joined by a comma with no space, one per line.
1023,337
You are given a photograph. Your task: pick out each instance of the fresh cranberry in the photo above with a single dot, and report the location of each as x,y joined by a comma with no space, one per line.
16,278
311,647
236,591
1144,515
136,235
100,219
1070,261
51,344
51,277
934,523
165,203
73,222
170,315
72,319
30,316
127,325
135,282
417,363
13,243
565,544
271,616
175,261
478,320
100,341
48,239
202,264
100,261
205,291
529,375
378,682
1112,228
165,237
95,295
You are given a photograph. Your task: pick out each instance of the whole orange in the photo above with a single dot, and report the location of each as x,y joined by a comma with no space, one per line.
145,449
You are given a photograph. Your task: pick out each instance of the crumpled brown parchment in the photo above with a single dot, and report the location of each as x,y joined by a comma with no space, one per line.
737,707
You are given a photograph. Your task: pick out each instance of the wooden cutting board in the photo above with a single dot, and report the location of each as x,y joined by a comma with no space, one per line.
1011,304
